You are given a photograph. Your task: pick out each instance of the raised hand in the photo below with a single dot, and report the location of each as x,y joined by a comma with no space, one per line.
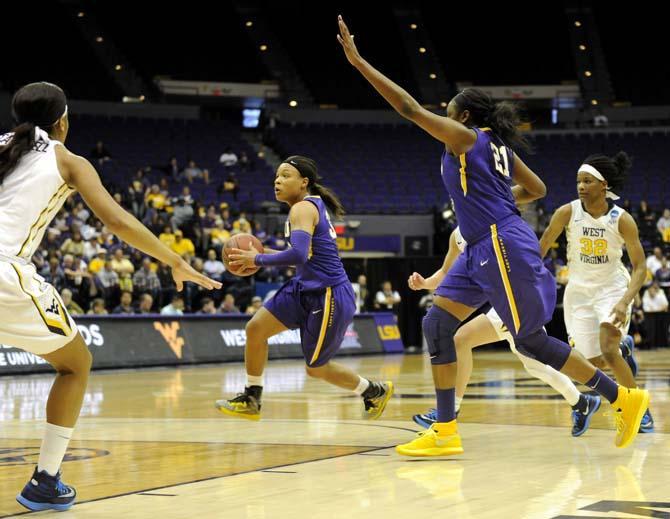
347,41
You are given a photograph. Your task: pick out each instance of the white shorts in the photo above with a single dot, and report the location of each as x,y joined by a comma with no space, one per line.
501,329
585,309
32,314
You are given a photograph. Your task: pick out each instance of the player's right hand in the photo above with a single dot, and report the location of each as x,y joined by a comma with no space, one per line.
182,272
346,39
416,281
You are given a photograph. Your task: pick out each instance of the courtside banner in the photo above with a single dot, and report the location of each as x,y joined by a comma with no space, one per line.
133,341
389,333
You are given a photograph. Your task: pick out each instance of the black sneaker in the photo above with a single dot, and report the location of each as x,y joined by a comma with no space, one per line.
46,492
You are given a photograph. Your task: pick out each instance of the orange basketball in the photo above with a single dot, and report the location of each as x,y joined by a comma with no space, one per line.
240,241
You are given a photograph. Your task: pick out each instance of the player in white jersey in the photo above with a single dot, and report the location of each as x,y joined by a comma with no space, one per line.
37,174
488,328
600,292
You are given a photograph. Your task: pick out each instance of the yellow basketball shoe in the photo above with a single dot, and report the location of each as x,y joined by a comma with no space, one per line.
441,439
375,399
630,407
246,405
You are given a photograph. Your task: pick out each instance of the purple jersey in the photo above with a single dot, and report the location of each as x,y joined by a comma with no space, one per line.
480,184
324,267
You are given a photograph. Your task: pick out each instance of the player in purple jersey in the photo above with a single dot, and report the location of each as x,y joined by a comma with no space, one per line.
502,265
319,300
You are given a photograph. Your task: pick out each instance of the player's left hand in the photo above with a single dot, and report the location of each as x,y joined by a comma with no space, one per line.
620,311
243,258
347,41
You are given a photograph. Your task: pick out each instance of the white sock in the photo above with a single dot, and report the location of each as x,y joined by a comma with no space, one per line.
555,379
363,384
54,445
254,381
458,400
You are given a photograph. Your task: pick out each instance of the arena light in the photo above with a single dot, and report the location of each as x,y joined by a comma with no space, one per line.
99,39
594,102
249,23
587,73
293,103
432,76
263,47
81,14
413,26
578,23
118,67
582,47
443,104
422,50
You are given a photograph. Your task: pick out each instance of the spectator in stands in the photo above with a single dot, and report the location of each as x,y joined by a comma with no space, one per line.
255,306
186,195
228,158
225,216
55,274
176,307
120,264
213,267
172,169
98,263
228,305
230,185
654,300
182,246
97,307
387,299
663,225
136,199
362,294
108,280
662,275
73,245
260,233
241,224
91,249
146,280
77,277
654,260
244,163
125,305
193,171
145,305
100,153
155,202
207,306
70,305
167,236
182,214
168,288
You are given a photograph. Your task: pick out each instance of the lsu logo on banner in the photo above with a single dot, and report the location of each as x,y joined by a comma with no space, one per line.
170,332
345,244
388,332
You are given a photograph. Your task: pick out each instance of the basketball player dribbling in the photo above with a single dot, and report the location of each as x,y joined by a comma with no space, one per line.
37,174
319,300
503,265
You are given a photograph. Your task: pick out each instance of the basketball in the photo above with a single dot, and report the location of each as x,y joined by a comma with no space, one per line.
240,241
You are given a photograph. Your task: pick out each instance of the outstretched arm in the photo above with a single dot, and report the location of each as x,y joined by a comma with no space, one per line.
417,282
79,173
558,222
458,137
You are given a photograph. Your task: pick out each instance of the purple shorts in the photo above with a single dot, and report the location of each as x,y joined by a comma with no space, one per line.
322,316
505,269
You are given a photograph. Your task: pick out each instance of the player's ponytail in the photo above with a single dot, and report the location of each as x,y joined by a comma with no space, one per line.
21,143
329,198
308,169
36,104
613,169
503,117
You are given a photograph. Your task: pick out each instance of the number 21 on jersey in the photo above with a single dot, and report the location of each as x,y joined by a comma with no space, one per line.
500,159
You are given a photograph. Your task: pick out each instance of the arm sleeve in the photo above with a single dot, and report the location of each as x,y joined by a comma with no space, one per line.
297,254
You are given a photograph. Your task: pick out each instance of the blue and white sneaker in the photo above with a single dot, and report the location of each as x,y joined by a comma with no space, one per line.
46,492
581,421
627,346
427,419
647,423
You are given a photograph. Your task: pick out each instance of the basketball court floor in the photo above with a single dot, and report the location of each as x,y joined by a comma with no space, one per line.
150,443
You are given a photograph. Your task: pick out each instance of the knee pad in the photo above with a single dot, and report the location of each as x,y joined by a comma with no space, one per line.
439,327
548,350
